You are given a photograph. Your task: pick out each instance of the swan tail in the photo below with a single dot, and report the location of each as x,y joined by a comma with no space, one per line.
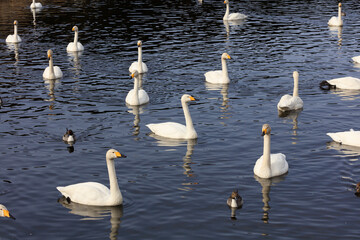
325,85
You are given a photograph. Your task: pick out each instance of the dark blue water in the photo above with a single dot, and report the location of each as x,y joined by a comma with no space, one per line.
178,189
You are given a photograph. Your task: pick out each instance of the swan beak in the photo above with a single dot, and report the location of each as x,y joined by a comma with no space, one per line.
225,2
7,214
192,98
15,22
339,4
132,75
228,56
120,155
73,29
263,132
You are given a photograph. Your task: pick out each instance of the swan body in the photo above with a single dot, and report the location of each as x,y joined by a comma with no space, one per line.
136,96
4,212
349,83
232,16
14,38
336,21
294,102
96,194
69,136
348,138
176,130
75,46
235,200
52,72
139,65
35,5
356,59
219,76
270,165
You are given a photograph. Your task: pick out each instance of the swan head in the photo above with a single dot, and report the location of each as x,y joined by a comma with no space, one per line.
75,29
15,22
187,98
296,74
49,53
139,43
225,56
4,212
134,74
339,5
226,2
112,154
266,129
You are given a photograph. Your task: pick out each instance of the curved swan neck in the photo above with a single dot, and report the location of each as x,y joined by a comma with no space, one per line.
296,86
140,58
266,164
224,69
227,12
188,120
114,186
51,67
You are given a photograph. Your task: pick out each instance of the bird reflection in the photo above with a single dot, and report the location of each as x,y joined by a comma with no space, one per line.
337,31
346,94
224,89
227,24
14,47
266,184
34,11
292,115
51,85
74,58
345,149
97,213
136,110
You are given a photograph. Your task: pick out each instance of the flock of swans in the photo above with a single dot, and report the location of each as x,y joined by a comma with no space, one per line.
269,165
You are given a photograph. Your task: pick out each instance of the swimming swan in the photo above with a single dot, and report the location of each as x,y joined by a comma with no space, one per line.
14,38
219,76
232,16
235,200
270,165
4,212
35,5
294,102
96,194
75,46
356,59
140,66
348,138
177,130
136,96
336,21
52,72
350,83
69,136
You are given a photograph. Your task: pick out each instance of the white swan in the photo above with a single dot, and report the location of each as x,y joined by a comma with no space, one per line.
348,138
336,21
14,38
75,46
35,4
96,194
139,65
52,72
4,212
219,76
232,16
270,165
294,102
177,130
356,59
349,83
136,96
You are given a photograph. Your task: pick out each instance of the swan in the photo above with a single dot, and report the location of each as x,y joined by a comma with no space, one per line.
97,194
69,136
348,138
336,21
349,83
136,96
35,4
235,200
140,66
294,102
177,130
356,59
270,165
52,72
14,38
219,76
4,212
75,46
232,16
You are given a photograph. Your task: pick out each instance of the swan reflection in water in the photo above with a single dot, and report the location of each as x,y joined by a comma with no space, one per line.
34,11
336,31
51,85
266,184
136,110
346,94
96,213
15,48
235,23
224,89
74,57
293,116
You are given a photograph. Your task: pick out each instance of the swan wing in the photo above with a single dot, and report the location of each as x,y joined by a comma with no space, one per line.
348,137
215,77
350,83
57,71
356,59
279,166
88,193
168,129
71,47
288,103
335,21
13,39
143,96
134,67
236,16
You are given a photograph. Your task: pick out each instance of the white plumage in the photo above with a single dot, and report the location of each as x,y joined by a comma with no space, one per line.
35,5
350,83
336,21
96,194
219,76
348,137
232,16
356,59
294,102
14,38
139,65
137,96
52,72
75,46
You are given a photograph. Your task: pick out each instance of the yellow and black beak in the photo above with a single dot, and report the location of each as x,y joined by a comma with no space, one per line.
73,29
263,132
120,155
7,214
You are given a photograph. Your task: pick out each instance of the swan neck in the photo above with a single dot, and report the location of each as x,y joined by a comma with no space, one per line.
140,58
114,186
339,13
51,68
136,91
15,31
188,120
296,87
227,12
225,70
76,37
266,153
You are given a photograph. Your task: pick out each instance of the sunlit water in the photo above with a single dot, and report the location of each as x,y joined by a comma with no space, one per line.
178,189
